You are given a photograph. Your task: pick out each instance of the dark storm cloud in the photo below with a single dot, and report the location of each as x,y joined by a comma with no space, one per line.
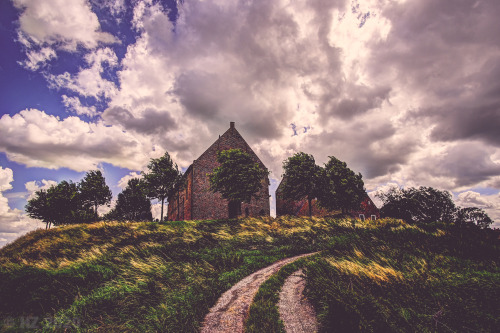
368,147
152,121
447,51
200,93
467,164
362,99
475,115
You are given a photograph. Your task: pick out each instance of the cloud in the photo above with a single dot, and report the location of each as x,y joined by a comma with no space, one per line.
63,24
13,223
489,203
38,58
33,186
74,104
123,182
6,177
473,199
89,82
150,121
403,91
445,54
462,165
115,7
37,139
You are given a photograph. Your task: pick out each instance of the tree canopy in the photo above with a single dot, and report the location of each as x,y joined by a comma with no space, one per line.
301,178
93,191
162,178
418,205
427,204
473,215
238,177
60,204
340,187
132,203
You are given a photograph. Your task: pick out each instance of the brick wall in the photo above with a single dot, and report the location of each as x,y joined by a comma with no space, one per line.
179,205
301,207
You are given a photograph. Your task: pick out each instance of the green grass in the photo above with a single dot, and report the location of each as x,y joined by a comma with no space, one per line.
142,276
400,278
264,314
164,277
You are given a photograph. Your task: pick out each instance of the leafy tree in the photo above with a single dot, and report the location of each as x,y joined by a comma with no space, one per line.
38,208
473,215
238,178
94,191
301,178
132,203
418,205
58,205
162,179
340,187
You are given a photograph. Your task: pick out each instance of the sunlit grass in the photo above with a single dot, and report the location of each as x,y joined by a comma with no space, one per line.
144,276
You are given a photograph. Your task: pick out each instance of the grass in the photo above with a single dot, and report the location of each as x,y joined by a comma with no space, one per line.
163,277
141,276
401,278
264,314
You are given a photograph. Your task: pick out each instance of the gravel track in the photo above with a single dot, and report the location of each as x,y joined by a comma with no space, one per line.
230,311
295,310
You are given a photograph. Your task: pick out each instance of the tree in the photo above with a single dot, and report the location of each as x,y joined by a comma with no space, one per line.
340,187
238,178
94,191
60,204
473,215
162,179
301,178
132,203
418,205
38,208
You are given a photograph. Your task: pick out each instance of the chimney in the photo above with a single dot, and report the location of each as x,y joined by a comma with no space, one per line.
231,124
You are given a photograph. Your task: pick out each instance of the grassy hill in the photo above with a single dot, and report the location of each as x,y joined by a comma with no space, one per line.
371,276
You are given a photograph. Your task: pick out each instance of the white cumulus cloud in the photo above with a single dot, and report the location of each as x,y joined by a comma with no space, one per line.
37,139
65,24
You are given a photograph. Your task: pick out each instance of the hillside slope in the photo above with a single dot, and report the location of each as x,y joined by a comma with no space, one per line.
165,276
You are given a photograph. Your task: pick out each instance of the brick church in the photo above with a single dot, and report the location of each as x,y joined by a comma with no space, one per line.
366,210
195,201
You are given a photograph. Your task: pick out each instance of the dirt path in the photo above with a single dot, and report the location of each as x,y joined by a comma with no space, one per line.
229,313
296,312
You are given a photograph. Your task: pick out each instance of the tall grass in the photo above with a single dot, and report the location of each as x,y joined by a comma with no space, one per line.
163,277
142,276
401,278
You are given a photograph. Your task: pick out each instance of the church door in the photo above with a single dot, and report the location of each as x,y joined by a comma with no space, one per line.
234,209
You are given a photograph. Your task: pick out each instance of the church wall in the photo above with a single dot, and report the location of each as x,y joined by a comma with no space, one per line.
209,205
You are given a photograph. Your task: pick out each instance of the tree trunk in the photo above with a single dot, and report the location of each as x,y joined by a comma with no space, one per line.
96,217
310,206
161,216
46,225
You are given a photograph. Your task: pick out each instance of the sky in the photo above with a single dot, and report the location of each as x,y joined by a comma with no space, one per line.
405,92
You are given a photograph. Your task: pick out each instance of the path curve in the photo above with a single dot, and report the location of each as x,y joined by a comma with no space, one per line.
229,313
296,312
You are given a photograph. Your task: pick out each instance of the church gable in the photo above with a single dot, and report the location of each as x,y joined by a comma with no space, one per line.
203,203
231,139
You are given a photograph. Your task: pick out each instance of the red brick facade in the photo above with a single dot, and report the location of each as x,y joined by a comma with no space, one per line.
301,207
195,201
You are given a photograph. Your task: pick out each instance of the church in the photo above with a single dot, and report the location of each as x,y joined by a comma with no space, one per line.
366,210
195,200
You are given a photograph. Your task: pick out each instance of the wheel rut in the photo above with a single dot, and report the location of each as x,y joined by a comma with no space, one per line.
295,310
230,311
